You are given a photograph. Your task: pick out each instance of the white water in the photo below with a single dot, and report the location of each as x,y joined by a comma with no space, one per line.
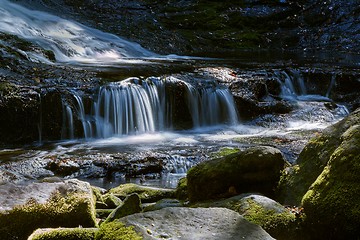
135,106
70,41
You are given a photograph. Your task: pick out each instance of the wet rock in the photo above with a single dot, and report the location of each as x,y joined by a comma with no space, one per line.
255,169
194,223
25,208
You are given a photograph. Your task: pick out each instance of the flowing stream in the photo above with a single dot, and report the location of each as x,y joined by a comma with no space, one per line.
138,115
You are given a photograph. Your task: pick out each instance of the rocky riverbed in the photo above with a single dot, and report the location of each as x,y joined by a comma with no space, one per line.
91,125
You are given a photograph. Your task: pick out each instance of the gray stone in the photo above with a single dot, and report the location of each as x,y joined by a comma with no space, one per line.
194,223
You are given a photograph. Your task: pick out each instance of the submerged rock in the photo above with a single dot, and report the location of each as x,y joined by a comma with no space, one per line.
194,223
38,205
256,169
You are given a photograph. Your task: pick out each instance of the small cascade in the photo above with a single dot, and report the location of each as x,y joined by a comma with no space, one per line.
136,106
127,107
68,123
211,106
332,83
293,87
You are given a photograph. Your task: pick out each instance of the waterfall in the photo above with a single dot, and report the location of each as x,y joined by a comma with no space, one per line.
293,87
211,106
332,83
70,41
136,106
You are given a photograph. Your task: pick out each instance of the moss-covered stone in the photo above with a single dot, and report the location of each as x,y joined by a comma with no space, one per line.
131,205
296,180
72,210
146,194
274,218
256,169
279,224
116,230
103,213
181,189
222,152
64,233
111,201
331,203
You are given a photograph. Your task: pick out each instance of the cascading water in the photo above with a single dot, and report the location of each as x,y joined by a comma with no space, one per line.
70,41
211,105
135,106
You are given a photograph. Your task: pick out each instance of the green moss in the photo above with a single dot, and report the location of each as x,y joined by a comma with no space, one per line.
116,230
71,211
330,203
223,152
181,189
97,194
111,201
63,233
146,194
279,225
103,213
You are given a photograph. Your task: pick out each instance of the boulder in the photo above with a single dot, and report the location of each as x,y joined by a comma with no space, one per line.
63,233
297,179
25,208
163,203
256,169
194,223
131,205
146,194
111,201
274,218
331,203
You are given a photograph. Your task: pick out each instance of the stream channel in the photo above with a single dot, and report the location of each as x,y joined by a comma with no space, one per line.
133,127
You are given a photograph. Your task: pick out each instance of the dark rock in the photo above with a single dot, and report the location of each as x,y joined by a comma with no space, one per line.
256,169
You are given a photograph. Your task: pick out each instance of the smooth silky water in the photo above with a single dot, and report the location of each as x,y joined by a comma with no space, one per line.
133,116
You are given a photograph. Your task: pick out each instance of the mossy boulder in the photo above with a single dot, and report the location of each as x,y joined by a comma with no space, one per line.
45,205
256,169
331,203
296,180
131,205
111,201
146,194
64,233
274,218
181,189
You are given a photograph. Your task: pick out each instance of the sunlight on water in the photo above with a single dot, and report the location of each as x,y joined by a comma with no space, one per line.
70,41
